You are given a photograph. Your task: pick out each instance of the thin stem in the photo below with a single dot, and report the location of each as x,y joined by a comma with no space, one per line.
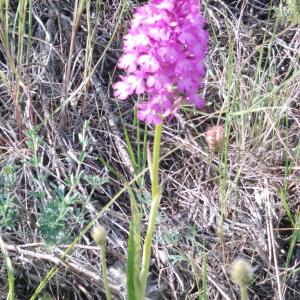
75,25
244,293
153,212
10,270
104,272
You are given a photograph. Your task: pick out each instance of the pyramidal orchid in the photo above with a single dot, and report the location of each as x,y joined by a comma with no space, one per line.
164,53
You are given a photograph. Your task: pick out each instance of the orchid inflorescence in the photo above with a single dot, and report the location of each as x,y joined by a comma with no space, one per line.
164,53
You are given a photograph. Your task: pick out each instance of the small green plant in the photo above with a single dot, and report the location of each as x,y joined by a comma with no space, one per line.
294,8
7,197
53,217
289,10
60,204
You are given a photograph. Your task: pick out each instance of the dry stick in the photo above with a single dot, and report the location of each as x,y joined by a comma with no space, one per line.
274,252
76,268
19,119
35,245
88,54
16,95
75,24
29,106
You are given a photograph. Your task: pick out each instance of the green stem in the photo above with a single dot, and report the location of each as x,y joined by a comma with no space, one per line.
104,272
10,270
244,293
153,212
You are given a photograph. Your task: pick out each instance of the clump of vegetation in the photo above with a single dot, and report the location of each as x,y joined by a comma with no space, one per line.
8,211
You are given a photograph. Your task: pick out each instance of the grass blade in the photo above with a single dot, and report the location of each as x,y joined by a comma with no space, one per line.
136,221
131,272
10,271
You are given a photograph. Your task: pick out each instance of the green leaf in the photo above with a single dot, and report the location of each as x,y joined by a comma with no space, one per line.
149,159
10,271
134,246
131,272
136,219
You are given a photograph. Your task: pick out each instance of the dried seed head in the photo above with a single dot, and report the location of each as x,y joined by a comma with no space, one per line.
241,272
215,137
99,235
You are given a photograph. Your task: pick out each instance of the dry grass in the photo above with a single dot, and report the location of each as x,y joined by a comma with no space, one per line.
216,206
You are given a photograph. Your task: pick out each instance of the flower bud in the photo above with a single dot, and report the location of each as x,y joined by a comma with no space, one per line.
241,272
215,137
99,235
